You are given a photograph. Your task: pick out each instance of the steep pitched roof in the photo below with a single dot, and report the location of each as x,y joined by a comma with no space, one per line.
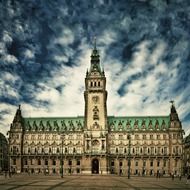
131,123
54,123
124,123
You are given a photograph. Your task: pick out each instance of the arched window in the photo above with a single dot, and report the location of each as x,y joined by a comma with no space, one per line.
91,83
98,83
95,83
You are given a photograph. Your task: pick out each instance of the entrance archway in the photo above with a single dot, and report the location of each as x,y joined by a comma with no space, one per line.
95,166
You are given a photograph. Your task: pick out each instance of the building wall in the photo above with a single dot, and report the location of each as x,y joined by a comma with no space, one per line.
103,144
186,164
150,153
3,153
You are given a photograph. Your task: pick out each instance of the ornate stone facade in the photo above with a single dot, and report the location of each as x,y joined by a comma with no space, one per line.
187,155
97,143
3,153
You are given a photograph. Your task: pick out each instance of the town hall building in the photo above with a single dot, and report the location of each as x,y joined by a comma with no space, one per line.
96,143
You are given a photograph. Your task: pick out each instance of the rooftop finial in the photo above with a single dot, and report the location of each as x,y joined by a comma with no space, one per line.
172,102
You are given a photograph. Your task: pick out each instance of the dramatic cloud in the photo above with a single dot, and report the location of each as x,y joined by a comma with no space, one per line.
45,49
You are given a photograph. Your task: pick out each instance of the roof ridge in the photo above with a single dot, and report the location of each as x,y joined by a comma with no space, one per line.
140,116
53,117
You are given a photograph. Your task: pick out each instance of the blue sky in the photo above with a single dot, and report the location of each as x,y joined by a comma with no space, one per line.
45,49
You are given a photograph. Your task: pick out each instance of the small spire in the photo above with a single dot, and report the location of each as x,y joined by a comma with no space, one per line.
172,102
19,106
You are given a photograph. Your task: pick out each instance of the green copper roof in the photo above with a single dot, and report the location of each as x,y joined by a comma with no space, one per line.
138,123
114,123
54,124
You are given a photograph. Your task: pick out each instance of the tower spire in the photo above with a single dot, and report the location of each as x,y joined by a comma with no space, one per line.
95,43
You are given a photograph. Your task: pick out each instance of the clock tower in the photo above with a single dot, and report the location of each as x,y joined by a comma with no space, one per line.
95,95
96,128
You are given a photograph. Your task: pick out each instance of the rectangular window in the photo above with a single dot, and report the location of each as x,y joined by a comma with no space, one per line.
61,162
158,137
40,137
33,137
14,150
39,162
112,163
136,137
46,162
151,137
25,162
120,163
144,137
78,162
70,162
54,162
78,136
54,137
151,163
136,163
144,163
164,163
158,163
120,137
14,161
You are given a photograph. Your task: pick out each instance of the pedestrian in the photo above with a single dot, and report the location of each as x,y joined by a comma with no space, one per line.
5,174
172,176
188,178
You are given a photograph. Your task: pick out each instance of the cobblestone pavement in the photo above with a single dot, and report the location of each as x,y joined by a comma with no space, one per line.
94,182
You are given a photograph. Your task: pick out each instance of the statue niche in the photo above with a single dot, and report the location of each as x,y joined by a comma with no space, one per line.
96,113
96,126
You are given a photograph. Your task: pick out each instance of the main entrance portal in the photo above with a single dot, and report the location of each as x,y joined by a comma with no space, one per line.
95,166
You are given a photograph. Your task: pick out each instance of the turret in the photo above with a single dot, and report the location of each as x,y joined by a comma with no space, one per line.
18,120
174,119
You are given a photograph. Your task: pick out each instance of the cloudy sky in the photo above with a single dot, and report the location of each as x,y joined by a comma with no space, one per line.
45,48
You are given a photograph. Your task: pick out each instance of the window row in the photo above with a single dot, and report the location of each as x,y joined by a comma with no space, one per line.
140,137
139,150
48,162
49,137
95,83
143,163
53,150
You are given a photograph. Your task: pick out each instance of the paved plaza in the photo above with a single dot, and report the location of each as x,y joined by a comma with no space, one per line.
94,182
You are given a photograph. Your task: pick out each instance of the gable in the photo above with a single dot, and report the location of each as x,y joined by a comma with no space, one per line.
54,124
135,123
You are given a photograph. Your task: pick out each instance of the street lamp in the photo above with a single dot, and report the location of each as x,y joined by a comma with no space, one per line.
9,154
129,155
62,141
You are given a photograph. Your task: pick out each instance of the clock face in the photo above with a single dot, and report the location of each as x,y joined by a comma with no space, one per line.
95,99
